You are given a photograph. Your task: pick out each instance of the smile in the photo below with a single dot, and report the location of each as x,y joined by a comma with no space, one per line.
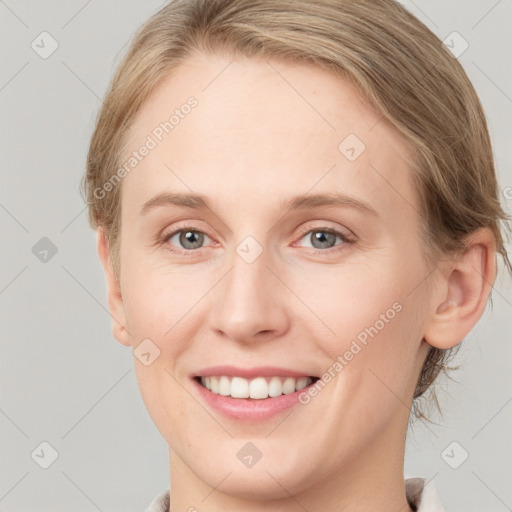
252,395
258,388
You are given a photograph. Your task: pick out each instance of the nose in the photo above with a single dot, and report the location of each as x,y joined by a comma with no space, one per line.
250,303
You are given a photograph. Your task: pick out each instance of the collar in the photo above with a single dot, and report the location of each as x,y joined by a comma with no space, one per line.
421,495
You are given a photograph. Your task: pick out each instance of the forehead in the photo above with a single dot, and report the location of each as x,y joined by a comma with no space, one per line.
264,130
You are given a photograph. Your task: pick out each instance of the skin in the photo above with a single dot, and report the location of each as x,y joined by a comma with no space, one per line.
253,142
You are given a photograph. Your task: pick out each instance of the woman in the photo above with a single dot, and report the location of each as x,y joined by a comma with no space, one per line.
298,220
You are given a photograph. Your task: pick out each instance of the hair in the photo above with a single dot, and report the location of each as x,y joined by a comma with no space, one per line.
397,64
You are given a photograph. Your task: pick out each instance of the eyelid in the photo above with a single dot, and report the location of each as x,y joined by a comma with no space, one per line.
347,238
345,233
182,226
163,237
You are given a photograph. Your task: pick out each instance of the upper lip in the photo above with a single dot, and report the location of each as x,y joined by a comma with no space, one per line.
250,373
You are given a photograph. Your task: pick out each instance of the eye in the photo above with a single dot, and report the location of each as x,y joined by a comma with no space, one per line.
186,239
325,238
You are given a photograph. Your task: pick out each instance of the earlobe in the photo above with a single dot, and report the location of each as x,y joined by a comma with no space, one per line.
115,299
464,291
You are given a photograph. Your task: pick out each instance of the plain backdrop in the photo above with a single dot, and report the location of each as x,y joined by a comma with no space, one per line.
65,381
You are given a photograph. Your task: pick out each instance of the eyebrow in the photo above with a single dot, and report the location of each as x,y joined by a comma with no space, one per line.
303,201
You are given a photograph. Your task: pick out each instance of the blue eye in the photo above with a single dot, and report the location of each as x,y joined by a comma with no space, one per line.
189,239
324,238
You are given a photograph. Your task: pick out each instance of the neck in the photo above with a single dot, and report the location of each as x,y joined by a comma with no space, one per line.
372,480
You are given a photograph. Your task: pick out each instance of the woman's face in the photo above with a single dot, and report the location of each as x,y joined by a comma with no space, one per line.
256,280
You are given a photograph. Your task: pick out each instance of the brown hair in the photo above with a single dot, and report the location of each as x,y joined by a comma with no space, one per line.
399,66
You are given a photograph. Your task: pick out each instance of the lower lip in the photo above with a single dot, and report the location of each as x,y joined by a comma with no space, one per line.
249,409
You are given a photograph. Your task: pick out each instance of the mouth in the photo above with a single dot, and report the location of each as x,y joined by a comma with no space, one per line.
252,395
258,388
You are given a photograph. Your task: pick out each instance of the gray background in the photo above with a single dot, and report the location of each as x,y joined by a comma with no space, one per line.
66,381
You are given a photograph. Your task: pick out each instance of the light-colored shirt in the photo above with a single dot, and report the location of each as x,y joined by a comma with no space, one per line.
422,497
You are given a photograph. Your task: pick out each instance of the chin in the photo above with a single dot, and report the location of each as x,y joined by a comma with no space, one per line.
258,486
274,477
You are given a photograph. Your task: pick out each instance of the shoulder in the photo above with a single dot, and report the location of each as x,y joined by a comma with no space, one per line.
422,495
161,503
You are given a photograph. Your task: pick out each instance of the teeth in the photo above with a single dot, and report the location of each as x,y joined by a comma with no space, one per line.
258,388
289,386
224,386
301,383
239,387
275,387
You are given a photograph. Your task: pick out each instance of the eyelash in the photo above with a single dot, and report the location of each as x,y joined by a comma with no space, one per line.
346,240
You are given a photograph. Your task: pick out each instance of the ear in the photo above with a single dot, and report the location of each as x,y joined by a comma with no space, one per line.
115,299
463,291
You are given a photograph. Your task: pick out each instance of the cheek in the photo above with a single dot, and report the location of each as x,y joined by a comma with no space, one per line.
155,301
348,300
156,309
374,326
